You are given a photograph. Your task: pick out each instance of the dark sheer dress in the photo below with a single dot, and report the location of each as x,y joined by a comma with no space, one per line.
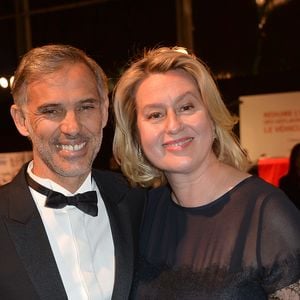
244,245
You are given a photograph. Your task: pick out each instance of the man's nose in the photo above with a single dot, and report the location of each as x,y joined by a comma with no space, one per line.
71,123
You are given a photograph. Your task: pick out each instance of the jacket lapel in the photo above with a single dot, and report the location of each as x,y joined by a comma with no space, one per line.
124,258
30,239
121,232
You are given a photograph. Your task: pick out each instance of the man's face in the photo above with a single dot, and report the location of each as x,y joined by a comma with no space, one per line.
64,118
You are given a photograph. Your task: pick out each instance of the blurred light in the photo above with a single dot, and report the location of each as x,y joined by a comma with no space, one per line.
11,81
3,82
180,49
224,75
260,2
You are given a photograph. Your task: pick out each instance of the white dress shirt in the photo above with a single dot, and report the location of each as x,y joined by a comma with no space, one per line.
82,245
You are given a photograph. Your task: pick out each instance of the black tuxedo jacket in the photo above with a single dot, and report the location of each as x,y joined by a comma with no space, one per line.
27,266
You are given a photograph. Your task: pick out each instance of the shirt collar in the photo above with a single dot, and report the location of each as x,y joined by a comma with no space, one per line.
85,187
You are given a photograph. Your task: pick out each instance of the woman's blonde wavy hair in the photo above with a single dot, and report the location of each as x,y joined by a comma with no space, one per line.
126,144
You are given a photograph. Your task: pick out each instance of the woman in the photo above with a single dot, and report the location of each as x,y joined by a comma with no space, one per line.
290,183
210,230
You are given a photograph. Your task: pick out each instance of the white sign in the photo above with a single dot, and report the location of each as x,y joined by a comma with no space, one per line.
269,124
10,164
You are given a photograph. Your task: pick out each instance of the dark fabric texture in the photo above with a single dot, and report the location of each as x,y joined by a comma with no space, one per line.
86,202
28,268
244,245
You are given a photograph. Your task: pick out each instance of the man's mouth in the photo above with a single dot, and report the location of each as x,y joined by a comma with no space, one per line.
76,147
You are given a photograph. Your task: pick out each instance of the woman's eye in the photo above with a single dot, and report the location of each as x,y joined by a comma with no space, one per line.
187,107
87,107
154,115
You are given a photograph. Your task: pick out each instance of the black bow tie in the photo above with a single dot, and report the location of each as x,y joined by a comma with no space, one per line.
86,202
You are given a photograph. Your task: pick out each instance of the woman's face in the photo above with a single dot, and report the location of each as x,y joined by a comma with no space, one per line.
175,129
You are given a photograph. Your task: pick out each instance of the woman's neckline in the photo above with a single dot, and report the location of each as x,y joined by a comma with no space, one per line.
216,200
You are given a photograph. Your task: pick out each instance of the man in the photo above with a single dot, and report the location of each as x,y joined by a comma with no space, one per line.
71,249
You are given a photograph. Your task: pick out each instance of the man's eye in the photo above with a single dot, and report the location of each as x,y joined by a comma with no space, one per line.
49,111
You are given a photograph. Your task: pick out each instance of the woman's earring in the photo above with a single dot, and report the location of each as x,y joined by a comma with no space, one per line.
214,134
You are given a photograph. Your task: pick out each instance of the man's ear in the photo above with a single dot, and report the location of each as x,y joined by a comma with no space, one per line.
19,119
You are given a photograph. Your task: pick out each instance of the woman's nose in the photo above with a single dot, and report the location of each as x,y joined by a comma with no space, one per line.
173,123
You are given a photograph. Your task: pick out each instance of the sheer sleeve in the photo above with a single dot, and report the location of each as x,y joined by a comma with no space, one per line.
280,246
291,292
